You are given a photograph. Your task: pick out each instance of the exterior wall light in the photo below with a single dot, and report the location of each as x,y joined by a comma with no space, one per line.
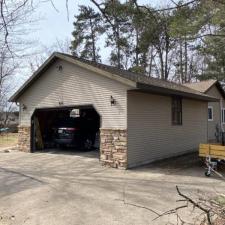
24,107
59,68
112,100
60,103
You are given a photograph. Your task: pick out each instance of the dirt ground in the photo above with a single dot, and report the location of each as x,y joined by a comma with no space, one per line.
64,188
8,140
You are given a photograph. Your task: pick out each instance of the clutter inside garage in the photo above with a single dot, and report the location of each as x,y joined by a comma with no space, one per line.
65,127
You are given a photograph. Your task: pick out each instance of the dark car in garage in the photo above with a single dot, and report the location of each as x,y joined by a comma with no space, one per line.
75,132
65,127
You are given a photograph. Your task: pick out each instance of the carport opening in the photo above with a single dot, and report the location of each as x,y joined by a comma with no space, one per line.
74,128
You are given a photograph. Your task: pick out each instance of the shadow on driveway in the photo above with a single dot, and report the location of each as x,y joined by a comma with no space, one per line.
185,165
13,181
70,151
73,188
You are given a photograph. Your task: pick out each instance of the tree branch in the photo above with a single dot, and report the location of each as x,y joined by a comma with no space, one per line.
195,204
165,9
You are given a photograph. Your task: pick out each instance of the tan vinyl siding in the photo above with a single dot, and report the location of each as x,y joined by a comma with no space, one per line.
152,136
213,91
76,86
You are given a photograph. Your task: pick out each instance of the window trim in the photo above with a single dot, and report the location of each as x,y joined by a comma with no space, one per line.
181,110
223,116
210,107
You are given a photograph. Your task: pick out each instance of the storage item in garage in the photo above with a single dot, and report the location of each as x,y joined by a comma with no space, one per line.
38,136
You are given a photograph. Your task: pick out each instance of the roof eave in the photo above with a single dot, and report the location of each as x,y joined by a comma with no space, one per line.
104,73
219,86
166,91
32,78
57,55
136,85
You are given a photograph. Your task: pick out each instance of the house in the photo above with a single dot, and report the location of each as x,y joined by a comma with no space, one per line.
140,119
216,110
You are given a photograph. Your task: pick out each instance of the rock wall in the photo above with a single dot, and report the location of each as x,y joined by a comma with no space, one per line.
113,148
24,138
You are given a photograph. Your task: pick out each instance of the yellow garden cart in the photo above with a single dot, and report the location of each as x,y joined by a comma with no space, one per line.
213,154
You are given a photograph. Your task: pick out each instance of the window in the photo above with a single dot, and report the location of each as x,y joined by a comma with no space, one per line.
177,111
210,113
223,115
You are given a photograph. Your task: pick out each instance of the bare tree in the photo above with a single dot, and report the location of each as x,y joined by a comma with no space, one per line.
39,58
8,68
14,18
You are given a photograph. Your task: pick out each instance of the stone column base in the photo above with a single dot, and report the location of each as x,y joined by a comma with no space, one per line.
113,148
24,138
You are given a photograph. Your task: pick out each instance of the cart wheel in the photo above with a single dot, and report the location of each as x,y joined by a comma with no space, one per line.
207,174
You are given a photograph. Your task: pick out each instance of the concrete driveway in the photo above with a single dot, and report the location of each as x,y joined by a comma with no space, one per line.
58,189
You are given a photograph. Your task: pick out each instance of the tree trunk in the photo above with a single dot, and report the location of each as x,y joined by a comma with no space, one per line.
117,37
161,63
93,42
150,62
181,62
166,57
137,48
187,78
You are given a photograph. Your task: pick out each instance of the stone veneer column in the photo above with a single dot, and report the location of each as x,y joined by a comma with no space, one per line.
113,148
24,138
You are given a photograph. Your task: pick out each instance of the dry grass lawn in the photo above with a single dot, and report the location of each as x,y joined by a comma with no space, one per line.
8,139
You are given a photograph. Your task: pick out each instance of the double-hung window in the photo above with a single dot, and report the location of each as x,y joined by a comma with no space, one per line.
223,115
210,113
176,111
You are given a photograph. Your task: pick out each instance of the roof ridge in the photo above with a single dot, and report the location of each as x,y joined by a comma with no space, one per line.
137,81
123,70
201,81
205,85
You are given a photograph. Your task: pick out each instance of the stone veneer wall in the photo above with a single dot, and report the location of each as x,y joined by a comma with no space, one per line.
113,148
24,138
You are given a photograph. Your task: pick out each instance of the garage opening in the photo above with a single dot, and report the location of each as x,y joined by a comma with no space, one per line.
75,128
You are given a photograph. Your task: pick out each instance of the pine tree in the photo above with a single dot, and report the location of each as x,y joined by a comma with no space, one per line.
213,47
118,32
87,30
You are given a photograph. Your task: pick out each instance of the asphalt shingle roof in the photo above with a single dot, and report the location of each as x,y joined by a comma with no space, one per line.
202,86
142,81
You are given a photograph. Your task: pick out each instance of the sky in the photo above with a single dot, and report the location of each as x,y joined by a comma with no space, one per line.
55,24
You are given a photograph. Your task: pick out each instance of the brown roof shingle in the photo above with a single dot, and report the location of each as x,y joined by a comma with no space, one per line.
202,86
142,82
